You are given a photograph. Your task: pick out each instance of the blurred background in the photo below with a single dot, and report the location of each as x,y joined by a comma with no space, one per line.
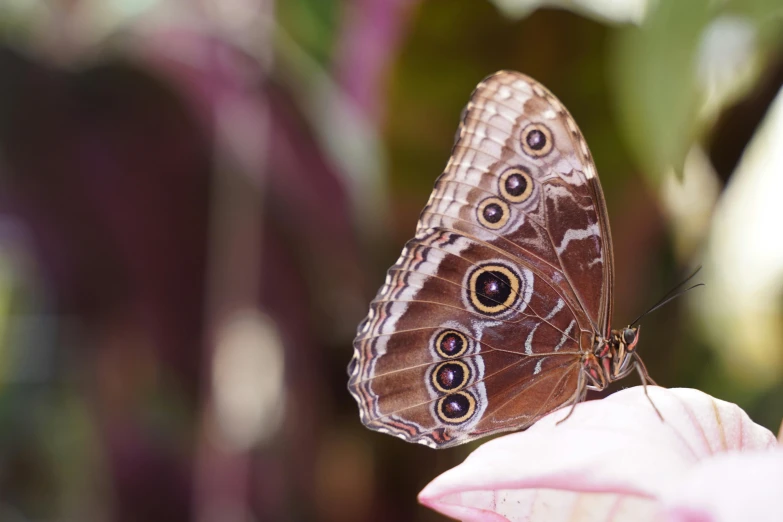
198,199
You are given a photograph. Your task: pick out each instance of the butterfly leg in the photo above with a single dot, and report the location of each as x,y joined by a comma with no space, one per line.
579,395
646,376
641,369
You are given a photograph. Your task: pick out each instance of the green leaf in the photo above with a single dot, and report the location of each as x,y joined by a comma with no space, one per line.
654,76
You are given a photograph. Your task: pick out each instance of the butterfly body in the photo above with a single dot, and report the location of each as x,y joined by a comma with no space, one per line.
497,312
613,358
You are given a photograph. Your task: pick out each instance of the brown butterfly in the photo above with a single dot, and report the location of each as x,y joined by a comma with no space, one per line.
497,312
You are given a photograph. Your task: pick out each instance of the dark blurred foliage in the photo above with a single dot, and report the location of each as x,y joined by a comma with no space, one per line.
190,166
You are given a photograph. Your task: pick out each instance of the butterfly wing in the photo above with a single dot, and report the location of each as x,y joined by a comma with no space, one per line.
481,323
513,123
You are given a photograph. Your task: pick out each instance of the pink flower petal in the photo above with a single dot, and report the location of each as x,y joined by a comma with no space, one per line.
545,505
614,452
730,487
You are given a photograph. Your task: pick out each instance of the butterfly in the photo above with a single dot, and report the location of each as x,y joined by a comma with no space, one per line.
497,311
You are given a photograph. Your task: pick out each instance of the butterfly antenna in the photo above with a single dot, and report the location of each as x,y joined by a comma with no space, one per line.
669,297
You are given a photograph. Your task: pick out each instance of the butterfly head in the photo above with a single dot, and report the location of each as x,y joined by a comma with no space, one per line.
630,336
622,349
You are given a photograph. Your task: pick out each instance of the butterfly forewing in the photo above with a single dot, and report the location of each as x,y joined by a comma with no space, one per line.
482,322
